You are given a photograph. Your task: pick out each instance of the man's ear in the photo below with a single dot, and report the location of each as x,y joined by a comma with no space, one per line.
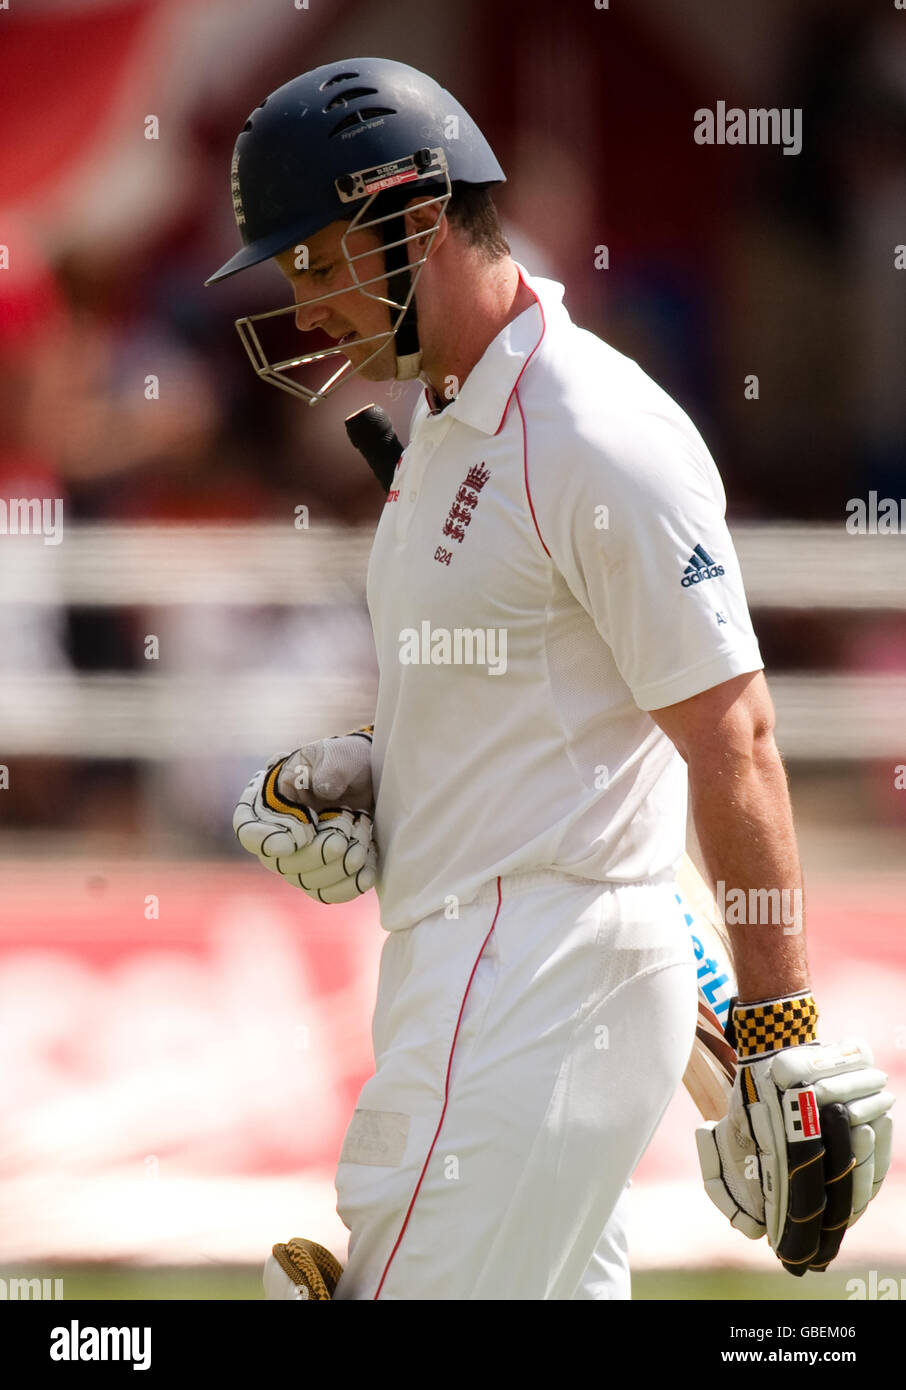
420,218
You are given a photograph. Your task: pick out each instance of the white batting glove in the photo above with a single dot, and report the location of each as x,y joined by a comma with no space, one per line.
807,1139
339,864
290,818
331,772
266,822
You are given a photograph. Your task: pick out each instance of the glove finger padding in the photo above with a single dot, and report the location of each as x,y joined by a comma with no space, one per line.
341,861
339,849
804,1106
266,823
355,884
872,1145
357,827
788,1137
883,1149
862,1093
839,1166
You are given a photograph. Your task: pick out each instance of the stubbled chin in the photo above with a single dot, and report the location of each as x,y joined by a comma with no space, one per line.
380,368
376,372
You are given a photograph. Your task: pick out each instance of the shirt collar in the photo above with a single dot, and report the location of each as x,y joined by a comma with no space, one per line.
486,392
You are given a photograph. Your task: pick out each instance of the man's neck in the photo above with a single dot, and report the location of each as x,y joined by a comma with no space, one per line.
470,310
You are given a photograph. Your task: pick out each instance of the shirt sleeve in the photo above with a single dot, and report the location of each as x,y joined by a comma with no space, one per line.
636,525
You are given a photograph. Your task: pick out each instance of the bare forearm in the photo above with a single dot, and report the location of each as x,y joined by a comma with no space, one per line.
744,823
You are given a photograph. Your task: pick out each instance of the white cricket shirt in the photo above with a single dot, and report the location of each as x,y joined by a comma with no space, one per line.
552,562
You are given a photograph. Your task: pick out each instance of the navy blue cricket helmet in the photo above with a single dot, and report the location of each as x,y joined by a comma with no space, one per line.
351,141
332,123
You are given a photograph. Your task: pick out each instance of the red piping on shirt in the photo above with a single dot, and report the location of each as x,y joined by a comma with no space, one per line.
446,1099
528,491
530,356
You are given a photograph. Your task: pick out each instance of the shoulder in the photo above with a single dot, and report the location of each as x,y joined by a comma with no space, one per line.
591,412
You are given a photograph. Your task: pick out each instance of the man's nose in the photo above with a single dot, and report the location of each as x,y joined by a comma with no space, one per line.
310,315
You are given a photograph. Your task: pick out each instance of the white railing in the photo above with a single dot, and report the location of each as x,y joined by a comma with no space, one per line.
784,566
157,716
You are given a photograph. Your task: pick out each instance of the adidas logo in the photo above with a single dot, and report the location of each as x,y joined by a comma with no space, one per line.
700,566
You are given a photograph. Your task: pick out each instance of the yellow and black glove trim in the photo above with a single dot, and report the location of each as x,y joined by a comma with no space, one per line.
275,802
771,1025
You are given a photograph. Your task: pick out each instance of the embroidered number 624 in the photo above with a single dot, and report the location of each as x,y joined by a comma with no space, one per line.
443,556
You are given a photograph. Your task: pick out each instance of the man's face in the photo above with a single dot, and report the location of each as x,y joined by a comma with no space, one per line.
349,316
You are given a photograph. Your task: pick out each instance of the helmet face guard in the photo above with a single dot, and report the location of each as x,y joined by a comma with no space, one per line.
350,141
424,165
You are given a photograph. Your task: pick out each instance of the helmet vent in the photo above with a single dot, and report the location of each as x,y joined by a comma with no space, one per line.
367,113
344,98
248,124
337,77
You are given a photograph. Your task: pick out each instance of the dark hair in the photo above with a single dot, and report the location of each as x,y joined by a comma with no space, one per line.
471,211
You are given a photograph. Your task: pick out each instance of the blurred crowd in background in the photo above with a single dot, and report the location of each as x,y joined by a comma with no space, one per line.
723,262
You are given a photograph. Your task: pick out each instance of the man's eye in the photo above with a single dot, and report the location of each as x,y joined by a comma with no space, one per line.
321,272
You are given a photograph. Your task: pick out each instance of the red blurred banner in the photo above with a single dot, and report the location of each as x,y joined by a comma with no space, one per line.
61,74
208,1014
209,1026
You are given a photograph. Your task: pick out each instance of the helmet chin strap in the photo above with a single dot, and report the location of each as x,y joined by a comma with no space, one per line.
409,367
396,262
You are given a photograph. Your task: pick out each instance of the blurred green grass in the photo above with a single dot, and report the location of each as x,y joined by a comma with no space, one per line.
113,1282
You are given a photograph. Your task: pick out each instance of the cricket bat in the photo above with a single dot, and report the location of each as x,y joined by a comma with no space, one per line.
711,1070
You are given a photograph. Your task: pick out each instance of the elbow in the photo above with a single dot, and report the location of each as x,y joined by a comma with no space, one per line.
762,732
742,746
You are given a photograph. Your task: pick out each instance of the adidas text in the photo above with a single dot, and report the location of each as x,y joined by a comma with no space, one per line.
701,566
713,572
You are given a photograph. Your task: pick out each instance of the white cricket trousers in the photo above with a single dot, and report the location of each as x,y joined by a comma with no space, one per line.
525,1053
